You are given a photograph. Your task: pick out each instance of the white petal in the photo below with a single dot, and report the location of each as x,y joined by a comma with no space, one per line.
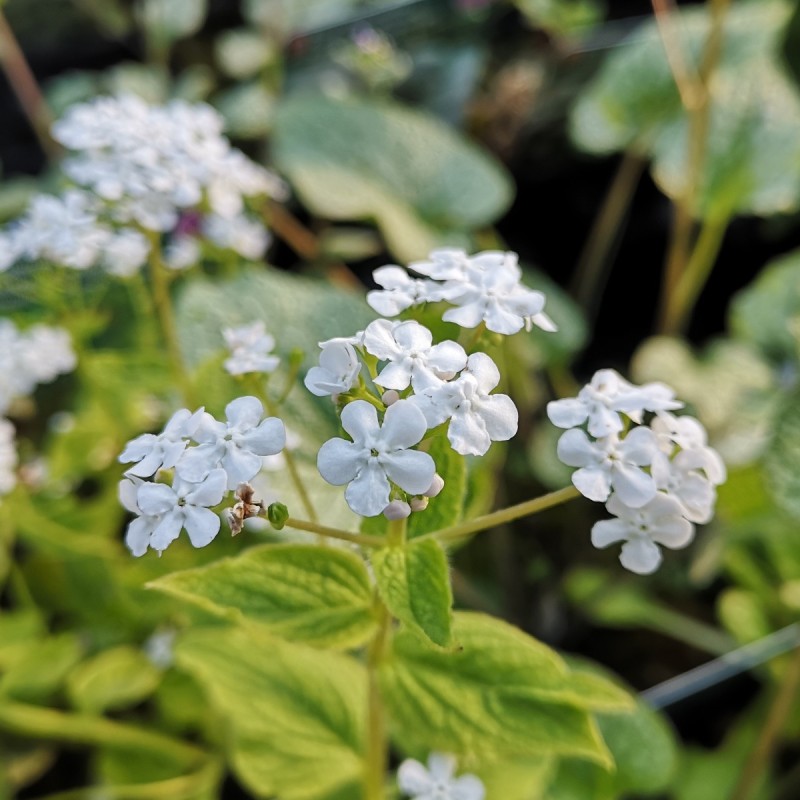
442,766
486,373
413,778
240,465
468,316
167,530
447,356
640,556
593,482
201,524
137,537
210,491
634,487
368,493
267,439
138,448
411,470
197,462
567,413
468,787
674,532
603,421
499,415
467,434
360,420
575,449
339,461
639,446
244,413
412,336
395,375
403,426
127,490
155,499
608,531
500,319
379,339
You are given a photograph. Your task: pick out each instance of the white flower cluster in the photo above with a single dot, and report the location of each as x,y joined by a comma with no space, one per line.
224,455
421,385
250,347
29,357
438,781
143,167
656,479
484,288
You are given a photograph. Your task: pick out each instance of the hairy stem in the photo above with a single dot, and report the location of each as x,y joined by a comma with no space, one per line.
504,515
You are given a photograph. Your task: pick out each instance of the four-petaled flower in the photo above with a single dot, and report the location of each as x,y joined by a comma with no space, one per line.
438,780
338,369
377,454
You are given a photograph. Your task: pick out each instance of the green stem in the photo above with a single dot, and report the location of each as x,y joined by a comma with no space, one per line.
24,85
335,533
45,723
166,317
504,515
377,756
761,755
698,269
591,273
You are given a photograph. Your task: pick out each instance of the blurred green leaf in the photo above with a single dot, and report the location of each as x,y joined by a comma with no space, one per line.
113,680
242,52
752,163
501,693
314,594
783,456
295,715
518,778
169,20
561,16
248,109
41,668
767,312
418,179
414,582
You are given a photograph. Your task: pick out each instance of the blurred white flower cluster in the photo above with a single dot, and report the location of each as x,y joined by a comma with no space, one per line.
250,348
210,458
164,169
656,479
484,288
28,357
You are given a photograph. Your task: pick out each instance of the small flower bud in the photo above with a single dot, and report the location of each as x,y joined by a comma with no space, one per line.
277,514
436,486
397,509
419,503
390,397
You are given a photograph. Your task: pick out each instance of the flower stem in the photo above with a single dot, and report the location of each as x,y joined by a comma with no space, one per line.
503,515
166,318
335,533
377,755
24,85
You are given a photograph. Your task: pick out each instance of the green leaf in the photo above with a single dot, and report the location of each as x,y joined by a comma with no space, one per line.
248,109
295,715
517,778
414,582
561,16
170,20
752,163
767,312
781,457
319,595
115,679
41,668
447,507
502,694
411,174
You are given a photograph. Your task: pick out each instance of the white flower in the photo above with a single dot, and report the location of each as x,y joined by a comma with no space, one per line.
490,292
152,452
377,455
400,291
236,445
8,457
413,358
659,522
164,511
447,263
611,463
181,252
438,781
680,479
250,347
477,418
124,253
689,434
338,369
245,236
603,397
